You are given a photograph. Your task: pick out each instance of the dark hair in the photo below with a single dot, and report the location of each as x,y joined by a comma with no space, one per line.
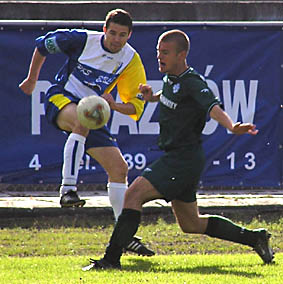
179,37
121,17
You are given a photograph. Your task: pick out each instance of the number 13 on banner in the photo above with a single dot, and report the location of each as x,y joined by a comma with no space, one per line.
249,164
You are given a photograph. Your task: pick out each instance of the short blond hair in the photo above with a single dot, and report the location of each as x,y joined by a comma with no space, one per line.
179,37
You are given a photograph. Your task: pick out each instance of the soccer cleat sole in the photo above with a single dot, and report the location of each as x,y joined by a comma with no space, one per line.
100,265
141,254
80,203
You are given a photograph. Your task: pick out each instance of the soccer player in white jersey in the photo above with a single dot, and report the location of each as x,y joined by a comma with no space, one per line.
97,62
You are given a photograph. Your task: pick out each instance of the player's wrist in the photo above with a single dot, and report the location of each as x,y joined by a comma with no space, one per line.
114,106
32,79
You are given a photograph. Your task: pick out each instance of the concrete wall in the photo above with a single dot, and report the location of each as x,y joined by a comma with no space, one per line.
144,10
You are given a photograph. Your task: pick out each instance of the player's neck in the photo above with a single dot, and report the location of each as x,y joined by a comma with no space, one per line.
179,70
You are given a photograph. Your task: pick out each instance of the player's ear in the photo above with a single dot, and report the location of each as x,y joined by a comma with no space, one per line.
182,54
129,34
104,29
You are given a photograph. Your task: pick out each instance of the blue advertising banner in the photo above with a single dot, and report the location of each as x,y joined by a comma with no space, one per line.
241,63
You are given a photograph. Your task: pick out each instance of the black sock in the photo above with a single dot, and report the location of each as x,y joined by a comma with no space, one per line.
225,229
125,228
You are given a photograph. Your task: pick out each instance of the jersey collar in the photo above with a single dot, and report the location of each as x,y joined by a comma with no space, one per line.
175,78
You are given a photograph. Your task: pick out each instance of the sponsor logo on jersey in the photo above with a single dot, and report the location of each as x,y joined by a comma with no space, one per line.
84,70
168,102
93,86
95,79
105,79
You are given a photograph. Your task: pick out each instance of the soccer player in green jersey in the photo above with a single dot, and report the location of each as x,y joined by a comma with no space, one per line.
185,101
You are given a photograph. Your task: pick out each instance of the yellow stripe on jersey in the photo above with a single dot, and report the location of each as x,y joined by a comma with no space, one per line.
128,85
59,101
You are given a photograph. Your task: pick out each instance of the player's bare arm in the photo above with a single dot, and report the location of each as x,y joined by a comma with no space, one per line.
124,108
237,128
147,93
28,84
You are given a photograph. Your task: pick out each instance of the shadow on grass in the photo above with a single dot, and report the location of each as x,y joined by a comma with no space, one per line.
147,266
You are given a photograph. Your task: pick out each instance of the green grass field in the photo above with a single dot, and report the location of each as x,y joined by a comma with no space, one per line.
209,269
52,250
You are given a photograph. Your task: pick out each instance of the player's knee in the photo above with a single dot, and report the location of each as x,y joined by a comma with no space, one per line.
72,126
79,129
124,168
121,169
118,170
133,198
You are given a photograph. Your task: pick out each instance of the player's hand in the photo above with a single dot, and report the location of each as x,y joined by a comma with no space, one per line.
27,86
146,92
242,128
109,98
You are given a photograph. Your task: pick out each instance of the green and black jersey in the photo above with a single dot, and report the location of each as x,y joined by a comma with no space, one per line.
185,102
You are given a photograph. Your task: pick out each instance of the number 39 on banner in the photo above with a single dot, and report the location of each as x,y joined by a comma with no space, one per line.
137,161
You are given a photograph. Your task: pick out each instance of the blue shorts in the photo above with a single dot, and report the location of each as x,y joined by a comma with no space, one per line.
56,99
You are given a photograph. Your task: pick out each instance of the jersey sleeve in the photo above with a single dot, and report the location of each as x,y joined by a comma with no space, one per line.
128,85
65,41
201,93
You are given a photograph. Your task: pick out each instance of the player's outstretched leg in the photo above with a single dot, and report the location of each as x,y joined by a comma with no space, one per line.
223,228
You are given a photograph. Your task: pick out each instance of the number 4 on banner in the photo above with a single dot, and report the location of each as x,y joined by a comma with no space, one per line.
34,163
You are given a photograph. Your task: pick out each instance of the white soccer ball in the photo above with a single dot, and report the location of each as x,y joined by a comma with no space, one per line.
93,112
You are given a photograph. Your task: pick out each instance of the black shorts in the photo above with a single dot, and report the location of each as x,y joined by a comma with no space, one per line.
176,174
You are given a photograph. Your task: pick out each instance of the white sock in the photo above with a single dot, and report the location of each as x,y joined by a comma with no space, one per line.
66,188
73,153
116,193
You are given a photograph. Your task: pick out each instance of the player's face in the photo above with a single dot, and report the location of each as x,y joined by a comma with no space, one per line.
168,58
116,37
